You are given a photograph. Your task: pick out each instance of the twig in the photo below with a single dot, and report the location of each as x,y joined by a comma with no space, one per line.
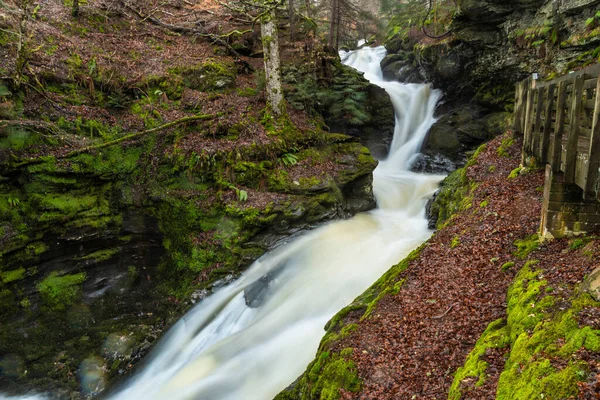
442,315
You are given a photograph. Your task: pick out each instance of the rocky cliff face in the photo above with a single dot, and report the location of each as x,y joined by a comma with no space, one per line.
492,45
101,248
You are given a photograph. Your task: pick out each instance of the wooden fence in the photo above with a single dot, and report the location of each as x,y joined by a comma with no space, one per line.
561,127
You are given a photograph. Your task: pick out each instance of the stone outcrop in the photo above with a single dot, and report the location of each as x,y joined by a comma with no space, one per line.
491,46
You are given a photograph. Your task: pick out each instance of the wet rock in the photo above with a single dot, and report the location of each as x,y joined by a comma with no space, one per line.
592,284
433,164
257,293
460,129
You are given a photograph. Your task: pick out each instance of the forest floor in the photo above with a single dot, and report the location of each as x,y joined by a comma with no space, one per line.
413,342
93,67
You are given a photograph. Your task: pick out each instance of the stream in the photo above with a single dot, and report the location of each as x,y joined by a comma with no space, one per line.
255,336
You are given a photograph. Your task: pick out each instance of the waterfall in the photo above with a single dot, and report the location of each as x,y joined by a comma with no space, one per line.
223,349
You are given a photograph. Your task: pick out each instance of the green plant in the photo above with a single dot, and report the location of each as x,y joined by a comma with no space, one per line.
242,195
13,201
455,242
289,159
590,22
507,265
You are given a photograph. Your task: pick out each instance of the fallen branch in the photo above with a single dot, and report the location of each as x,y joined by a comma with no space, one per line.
442,315
136,135
131,136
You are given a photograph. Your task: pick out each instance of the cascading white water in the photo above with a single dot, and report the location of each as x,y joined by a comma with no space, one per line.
224,350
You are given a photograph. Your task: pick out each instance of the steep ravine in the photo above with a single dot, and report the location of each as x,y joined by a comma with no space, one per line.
482,310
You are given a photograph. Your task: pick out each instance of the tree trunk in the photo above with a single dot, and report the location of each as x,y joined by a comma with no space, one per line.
338,23
332,23
308,13
292,14
270,41
75,9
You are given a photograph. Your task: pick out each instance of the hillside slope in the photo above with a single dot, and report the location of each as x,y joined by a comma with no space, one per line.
480,311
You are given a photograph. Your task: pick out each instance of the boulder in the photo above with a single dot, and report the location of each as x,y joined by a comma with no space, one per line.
592,284
459,130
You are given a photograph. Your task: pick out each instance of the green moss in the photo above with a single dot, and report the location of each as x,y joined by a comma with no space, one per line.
473,372
64,204
102,255
515,173
522,300
507,265
455,242
578,243
59,292
108,162
530,372
456,191
483,204
209,76
11,276
507,143
331,373
544,339
526,246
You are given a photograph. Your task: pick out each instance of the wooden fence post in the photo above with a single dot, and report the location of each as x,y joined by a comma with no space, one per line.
573,138
520,102
559,126
527,121
591,184
544,158
538,120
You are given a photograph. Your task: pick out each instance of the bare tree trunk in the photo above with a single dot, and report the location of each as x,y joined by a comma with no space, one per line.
338,22
292,14
307,4
270,41
75,9
332,23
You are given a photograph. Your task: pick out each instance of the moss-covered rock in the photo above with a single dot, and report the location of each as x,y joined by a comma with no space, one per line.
542,335
453,196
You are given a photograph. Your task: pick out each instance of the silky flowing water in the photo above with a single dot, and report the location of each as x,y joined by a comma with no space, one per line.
225,350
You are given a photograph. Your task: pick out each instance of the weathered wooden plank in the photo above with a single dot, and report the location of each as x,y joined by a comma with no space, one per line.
573,135
589,84
537,135
590,72
585,132
528,121
519,113
545,142
556,147
581,168
589,104
591,185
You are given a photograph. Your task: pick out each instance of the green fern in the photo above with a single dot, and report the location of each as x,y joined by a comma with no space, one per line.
288,159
